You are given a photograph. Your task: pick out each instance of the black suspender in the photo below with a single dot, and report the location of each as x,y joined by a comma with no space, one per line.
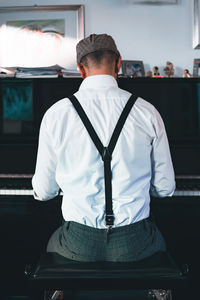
105,152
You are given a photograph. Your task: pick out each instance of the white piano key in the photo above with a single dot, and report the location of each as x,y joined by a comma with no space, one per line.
179,193
18,192
6,192
196,193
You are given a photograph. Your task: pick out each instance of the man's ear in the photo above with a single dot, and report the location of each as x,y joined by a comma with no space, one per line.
118,65
82,70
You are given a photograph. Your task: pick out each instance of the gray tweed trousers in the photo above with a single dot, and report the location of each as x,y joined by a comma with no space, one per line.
122,244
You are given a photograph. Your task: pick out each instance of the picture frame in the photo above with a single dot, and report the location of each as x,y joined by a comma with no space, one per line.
62,26
196,67
72,14
196,24
133,68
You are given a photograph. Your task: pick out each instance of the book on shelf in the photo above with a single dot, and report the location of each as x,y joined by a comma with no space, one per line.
70,73
38,72
7,72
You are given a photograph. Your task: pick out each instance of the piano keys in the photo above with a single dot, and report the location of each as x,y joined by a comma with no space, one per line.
16,184
20,185
187,186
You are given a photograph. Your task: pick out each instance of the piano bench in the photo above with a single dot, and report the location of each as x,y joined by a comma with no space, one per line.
54,272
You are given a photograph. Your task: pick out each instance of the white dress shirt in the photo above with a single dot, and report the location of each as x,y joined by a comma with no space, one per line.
67,158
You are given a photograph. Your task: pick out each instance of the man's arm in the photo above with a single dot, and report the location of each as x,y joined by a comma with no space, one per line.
44,184
163,182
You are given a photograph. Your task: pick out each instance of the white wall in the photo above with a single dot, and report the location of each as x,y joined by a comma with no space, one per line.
150,33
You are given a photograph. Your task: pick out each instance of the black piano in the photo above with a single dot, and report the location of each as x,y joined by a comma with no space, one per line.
26,224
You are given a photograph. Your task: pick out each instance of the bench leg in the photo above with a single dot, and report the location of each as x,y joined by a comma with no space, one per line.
59,295
160,294
53,295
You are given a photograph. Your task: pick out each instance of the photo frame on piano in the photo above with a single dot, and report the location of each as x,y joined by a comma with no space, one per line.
133,68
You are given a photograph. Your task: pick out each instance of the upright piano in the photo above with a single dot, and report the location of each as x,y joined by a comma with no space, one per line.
26,224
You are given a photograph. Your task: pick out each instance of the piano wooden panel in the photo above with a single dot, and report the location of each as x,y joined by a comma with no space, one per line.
26,224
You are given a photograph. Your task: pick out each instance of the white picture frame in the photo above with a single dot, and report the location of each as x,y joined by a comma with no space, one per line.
75,13
196,24
55,20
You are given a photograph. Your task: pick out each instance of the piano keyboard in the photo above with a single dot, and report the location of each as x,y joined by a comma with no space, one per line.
187,186
20,185
186,193
16,184
16,192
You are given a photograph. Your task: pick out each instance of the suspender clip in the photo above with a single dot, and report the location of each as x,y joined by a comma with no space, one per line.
109,229
109,220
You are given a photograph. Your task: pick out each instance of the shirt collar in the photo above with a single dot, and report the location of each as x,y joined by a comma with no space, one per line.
98,81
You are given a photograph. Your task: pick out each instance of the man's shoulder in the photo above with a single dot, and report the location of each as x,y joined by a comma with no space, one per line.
146,111
60,105
140,102
145,104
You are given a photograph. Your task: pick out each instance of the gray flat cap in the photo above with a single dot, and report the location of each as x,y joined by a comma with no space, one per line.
93,43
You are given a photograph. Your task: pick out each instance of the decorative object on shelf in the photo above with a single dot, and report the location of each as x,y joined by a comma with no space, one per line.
149,74
133,68
186,74
169,69
156,73
196,67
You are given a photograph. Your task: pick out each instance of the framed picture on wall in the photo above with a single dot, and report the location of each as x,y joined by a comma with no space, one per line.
133,68
40,35
196,24
66,20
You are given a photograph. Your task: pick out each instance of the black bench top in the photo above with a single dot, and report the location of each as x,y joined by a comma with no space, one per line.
56,271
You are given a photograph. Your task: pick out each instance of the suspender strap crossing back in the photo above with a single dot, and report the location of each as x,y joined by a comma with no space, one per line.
105,152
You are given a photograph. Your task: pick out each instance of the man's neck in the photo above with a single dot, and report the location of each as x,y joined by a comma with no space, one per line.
101,71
